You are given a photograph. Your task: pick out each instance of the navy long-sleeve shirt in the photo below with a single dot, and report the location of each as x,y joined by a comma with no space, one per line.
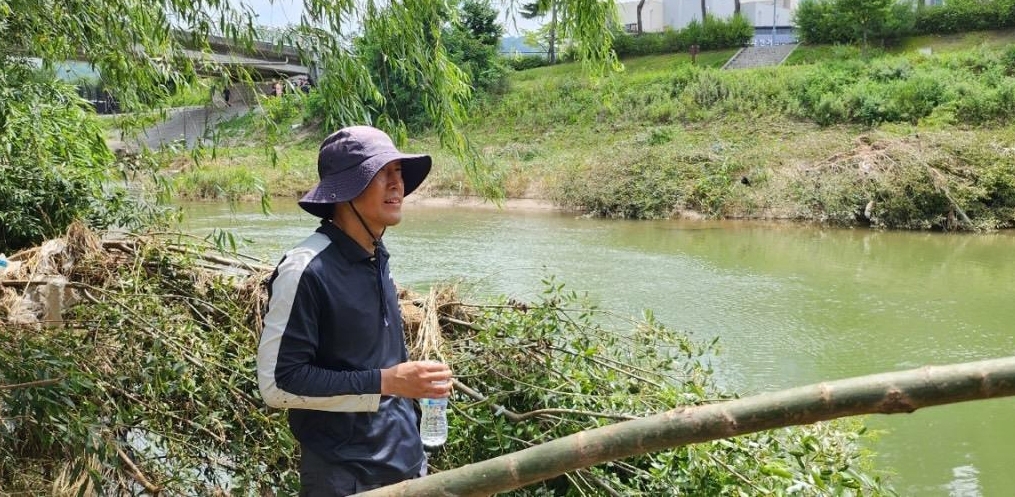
332,324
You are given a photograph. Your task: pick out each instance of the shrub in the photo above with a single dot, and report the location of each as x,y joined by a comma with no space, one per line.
816,23
915,98
55,167
829,21
597,364
910,199
986,105
957,16
998,183
523,62
641,186
1008,61
713,34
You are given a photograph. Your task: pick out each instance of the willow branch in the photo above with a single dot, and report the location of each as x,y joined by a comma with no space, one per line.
517,418
32,384
739,476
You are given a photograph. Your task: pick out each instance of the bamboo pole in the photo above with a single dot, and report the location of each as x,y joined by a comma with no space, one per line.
884,393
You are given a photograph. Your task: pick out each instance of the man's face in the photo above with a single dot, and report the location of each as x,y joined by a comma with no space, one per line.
380,204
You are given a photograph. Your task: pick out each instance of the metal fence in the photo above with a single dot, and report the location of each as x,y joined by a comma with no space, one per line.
763,36
101,100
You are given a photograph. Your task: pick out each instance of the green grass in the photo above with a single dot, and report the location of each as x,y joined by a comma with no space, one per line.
959,42
663,137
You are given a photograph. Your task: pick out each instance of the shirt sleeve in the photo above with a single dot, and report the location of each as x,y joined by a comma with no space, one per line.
287,377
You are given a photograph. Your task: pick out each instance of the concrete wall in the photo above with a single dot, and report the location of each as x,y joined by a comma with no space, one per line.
651,15
677,14
759,14
680,13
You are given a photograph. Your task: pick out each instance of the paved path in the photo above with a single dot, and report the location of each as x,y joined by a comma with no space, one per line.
186,125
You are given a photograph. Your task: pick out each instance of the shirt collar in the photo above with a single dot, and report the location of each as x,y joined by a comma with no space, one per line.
352,251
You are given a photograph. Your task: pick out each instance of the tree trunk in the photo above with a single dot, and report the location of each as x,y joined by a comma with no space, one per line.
887,393
736,7
553,32
640,5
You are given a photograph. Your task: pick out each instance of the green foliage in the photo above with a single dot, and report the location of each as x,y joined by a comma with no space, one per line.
714,187
281,114
523,62
140,52
972,87
158,365
213,183
865,17
713,34
651,141
955,16
636,186
846,21
55,167
470,44
908,185
561,353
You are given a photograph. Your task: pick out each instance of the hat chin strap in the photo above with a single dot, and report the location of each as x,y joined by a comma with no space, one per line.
376,239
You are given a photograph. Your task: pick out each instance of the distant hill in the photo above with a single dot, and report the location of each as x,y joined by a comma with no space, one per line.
516,44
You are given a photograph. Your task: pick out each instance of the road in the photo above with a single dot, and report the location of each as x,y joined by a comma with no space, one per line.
186,125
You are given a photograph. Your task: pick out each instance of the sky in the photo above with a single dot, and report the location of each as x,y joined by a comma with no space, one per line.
279,13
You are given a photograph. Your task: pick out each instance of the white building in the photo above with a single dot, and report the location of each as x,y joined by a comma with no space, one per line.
656,15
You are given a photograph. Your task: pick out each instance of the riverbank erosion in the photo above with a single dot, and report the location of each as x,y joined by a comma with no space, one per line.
127,365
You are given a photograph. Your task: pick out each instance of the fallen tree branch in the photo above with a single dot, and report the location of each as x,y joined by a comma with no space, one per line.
885,393
136,472
517,418
32,384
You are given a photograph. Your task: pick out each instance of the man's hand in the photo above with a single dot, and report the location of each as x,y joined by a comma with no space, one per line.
416,380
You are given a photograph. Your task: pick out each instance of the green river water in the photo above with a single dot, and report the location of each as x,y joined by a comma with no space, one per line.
791,304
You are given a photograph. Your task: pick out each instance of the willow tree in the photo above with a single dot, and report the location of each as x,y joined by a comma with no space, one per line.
139,49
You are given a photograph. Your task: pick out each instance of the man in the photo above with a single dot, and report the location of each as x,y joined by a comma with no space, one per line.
332,349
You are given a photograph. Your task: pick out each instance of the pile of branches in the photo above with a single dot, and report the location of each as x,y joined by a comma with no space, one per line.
137,371
919,182
143,381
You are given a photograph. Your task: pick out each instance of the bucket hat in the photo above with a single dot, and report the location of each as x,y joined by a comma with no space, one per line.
349,159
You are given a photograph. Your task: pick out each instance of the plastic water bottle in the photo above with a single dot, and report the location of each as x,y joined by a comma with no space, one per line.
433,427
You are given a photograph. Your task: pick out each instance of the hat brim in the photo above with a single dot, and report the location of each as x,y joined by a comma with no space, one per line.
350,183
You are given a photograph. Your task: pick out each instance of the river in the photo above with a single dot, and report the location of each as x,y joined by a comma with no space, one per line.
790,304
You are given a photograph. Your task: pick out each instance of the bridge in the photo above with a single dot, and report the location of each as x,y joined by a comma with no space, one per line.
261,60
265,63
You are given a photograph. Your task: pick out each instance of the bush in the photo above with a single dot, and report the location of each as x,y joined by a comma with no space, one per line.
910,199
713,34
828,21
956,16
998,197
978,104
634,187
523,62
55,167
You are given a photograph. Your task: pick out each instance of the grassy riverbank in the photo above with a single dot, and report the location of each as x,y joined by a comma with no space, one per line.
896,138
